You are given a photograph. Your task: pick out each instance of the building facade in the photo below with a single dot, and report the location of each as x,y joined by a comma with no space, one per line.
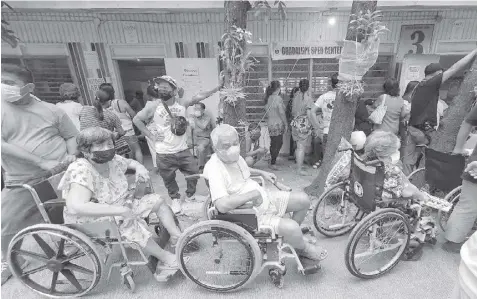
129,48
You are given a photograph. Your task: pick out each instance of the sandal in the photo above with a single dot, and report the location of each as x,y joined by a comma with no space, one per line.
165,271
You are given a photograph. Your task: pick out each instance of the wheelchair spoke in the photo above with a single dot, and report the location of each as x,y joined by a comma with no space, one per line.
74,267
54,279
33,271
61,248
72,279
33,255
77,255
44,246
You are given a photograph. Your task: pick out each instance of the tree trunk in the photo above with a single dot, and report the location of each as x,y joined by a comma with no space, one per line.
236,15
443,140
342,119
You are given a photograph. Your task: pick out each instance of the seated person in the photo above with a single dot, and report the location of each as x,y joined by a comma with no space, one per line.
231,187
203,125
254,152
384,146
95,188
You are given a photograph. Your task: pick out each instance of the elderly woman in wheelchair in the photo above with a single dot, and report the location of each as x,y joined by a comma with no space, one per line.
95,188
101,211
258,218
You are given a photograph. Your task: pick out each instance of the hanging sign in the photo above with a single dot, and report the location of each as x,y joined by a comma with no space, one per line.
94,83
297,50
415,39
130,33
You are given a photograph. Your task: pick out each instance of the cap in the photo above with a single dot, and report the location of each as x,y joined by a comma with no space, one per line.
432,68
167,79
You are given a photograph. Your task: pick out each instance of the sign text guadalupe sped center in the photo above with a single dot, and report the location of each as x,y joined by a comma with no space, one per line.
295,50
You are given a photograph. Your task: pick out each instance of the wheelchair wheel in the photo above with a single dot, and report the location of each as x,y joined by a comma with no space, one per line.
418,178
384,236
219,255
335,214
80,269
205,208
453,197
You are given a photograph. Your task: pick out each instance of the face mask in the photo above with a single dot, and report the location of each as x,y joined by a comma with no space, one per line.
14,93
395,157
164,95
198,113
105,156
231,155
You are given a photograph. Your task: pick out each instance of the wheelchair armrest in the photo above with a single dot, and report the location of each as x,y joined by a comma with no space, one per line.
52,202
247,205
259,180
194,177
242,211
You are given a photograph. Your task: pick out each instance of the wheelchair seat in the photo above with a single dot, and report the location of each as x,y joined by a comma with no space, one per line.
437,164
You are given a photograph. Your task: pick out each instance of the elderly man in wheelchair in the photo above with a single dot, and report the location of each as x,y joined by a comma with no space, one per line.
237,198
100,210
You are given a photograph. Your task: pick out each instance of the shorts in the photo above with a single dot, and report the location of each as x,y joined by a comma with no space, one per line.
278,207
300,137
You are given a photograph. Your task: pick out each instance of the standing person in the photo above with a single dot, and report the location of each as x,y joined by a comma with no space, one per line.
289,120
395,111
277,120
99,115
172,150
465,211
125,114
466,287
203,126
407,96
70,94
424,106
325,104
301,124
36,137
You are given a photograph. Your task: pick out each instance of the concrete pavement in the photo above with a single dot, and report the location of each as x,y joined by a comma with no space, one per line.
431,277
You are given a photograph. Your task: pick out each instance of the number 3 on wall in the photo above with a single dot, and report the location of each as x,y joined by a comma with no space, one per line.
417,37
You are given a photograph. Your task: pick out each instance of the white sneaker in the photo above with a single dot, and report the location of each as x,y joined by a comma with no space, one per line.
176,206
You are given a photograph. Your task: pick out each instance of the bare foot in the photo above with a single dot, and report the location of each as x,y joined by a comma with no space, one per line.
273,167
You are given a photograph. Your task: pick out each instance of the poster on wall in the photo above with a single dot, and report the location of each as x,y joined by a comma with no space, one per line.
413,67
415,39
92,63
130,33
299,50
196,75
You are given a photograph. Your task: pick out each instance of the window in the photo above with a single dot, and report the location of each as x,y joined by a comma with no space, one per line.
202,50
180,53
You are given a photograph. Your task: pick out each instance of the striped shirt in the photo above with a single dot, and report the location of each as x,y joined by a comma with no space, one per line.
89,118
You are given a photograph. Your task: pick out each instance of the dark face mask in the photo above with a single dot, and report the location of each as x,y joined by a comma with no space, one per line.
164,95
105,156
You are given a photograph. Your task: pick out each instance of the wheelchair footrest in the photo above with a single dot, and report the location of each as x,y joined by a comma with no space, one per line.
309,266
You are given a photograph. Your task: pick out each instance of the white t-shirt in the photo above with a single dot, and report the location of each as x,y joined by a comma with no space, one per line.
172,144
233,179
441,108
73,110
326,103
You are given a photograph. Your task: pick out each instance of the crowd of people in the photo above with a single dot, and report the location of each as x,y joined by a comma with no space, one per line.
101,143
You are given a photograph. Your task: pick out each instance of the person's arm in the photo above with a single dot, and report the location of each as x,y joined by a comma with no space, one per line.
464,132
127,107
312,114
201,124
68,131
20,153
143,116
231,202
200,97
117,126
79,201
282,113
458,66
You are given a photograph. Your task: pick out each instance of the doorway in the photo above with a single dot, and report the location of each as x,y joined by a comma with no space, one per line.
136,73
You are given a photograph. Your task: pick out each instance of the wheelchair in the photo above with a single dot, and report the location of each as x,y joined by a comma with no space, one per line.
73,250
228,250
381,229
431,178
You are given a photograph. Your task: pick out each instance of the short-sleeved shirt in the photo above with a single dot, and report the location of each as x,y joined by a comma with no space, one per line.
393,114
204,121
326,103
89,118
73,110
161,122
233,179
40,128
424,101
471,119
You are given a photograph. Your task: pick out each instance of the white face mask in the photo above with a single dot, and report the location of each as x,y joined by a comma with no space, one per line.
231,155
395,157
14,93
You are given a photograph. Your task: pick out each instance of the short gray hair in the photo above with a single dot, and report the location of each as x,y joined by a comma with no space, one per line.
220,131
381,144
93,135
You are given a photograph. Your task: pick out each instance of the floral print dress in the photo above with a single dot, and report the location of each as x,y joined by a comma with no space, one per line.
111,190
394,180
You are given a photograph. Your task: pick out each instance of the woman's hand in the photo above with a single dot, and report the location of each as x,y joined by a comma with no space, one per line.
69,159
128,213
472,169
142,174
